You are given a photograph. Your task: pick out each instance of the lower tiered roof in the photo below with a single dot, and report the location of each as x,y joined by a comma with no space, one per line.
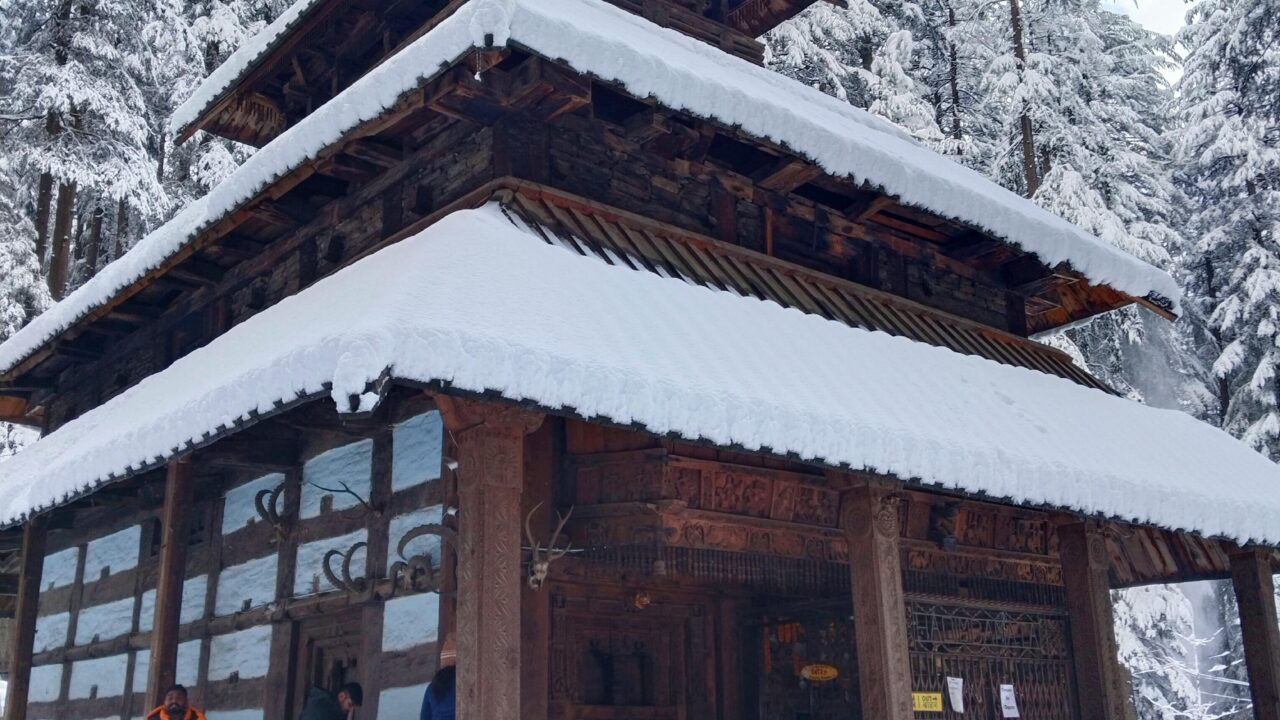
486,301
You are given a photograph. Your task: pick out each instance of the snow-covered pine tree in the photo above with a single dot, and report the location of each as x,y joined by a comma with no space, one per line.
71,74
866,54
1229,152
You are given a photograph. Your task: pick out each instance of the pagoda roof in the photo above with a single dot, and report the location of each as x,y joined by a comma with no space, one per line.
485,302
602,41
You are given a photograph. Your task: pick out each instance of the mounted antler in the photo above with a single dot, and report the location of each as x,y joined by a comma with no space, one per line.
418,572
346,581
540,560
265,502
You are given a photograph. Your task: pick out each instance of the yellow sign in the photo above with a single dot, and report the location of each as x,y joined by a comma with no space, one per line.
819,673
926,701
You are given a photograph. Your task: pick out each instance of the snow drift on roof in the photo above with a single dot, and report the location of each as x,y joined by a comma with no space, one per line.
483,304
684,74
237,65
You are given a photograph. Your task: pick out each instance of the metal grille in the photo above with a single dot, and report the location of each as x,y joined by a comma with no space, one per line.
988,647
988,590
764,572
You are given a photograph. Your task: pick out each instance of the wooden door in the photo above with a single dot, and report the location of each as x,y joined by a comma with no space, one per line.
328,654
614,661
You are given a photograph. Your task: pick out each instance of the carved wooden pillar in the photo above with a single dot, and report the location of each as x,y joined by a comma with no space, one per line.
869,518
490,441
23,631
175,533
1255,596
1101,682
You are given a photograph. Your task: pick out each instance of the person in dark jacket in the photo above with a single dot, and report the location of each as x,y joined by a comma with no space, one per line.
439,700
321,706
350,697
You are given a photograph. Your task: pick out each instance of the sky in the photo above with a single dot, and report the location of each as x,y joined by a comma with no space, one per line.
1163,16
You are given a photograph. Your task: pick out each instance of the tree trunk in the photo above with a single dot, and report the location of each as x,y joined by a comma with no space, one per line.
954,78
44,198
1028,139
122,229
93,249
60,258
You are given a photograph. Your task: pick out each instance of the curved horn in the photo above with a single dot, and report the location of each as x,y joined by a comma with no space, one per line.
354,584
329,575
552,552
534,547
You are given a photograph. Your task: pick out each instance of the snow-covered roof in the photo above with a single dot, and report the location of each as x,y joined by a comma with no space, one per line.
479,302
237,64
598,39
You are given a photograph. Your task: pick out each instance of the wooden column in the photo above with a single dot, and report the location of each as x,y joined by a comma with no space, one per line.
490,441
1255,596
1102,685
174,534
23,631
869,518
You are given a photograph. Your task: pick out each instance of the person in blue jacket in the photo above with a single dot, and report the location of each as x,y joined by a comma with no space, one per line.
439,700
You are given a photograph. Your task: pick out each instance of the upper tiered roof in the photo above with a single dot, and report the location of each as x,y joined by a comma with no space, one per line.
317,48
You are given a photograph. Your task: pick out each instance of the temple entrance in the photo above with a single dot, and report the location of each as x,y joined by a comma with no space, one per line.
328,654
800,663
989,647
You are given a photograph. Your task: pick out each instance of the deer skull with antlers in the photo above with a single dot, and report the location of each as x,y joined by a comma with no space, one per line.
540,560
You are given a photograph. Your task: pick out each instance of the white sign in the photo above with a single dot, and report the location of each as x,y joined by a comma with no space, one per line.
955,690
1008,702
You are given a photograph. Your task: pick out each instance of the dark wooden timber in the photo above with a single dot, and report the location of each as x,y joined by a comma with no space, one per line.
869,517
1252,576
23,629
1102,684
175,534
490,441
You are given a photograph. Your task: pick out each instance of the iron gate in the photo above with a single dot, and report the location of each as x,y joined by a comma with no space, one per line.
988,647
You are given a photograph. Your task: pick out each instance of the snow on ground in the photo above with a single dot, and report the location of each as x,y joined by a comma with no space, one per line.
469,302
679,72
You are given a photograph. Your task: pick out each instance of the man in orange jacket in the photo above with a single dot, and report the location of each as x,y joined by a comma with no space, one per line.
175,707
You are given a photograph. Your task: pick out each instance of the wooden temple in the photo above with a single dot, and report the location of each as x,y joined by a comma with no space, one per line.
590,566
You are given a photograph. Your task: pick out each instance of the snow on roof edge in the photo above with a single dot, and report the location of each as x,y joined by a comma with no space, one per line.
866,400
677,71
212,88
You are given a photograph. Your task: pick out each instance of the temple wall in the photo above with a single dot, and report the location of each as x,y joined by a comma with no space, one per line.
98,593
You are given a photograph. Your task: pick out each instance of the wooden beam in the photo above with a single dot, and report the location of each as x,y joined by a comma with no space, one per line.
491,477
1103,686
23,631
170,574
1251,576
869,518
787,174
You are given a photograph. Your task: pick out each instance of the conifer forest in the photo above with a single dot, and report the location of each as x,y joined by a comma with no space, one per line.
1167,147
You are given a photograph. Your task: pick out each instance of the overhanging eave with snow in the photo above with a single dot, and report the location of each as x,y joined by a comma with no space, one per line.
772,134
482,303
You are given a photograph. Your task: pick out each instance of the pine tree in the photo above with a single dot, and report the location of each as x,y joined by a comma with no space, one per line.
1230,156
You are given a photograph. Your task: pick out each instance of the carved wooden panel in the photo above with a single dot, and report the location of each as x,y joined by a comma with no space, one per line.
614,658
654,475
